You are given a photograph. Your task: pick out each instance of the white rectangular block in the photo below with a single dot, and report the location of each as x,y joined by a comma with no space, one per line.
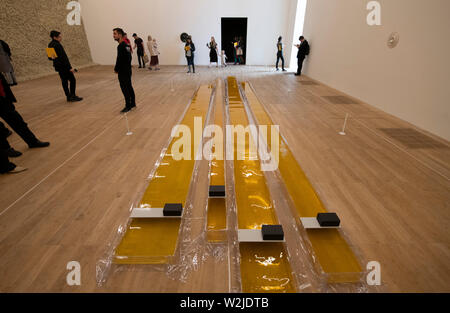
150,213
253,235
312,223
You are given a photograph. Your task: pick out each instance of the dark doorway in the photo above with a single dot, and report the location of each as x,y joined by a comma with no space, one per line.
234,27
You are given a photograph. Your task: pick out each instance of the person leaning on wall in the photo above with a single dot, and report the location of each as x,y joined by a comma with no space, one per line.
303,51
62,65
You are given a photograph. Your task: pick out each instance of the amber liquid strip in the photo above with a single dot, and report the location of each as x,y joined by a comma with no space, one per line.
331,249
154,240
264,266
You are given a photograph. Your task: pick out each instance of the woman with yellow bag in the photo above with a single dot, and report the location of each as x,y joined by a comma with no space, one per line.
189,49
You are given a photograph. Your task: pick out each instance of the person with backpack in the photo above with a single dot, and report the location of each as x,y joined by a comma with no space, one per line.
303,51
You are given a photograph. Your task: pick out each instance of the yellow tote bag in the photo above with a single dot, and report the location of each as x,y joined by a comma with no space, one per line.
51,53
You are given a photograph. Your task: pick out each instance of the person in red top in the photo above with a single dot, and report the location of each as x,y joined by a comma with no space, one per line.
128,42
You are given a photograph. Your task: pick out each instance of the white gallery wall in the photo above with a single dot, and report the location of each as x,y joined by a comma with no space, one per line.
167,19
411,81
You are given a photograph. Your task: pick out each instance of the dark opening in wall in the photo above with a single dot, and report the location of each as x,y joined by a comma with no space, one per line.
232,28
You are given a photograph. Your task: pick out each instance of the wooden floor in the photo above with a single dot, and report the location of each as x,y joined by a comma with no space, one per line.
394,201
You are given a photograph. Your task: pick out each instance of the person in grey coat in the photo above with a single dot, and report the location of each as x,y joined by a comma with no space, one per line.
5,64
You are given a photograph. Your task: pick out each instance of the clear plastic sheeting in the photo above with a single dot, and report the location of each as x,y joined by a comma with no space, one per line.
167,244
264,267
216,215
334,259
321,260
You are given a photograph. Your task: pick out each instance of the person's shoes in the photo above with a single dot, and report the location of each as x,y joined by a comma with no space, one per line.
74,99
133,107
278,69
18,169
9,133
14,153
39,144
297,74
126,110
284,70
188,72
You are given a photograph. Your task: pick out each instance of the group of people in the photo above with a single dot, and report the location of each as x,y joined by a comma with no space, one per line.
142,56
303,51
122,68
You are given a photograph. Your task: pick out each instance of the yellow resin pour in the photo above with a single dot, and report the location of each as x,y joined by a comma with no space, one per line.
264,266
216,217
154,240
333,253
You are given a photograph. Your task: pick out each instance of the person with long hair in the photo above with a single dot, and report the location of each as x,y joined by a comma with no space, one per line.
154,53
213,51
280,54
189,49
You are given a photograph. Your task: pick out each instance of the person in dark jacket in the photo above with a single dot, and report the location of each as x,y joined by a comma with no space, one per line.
123,69
9,114
303,51
62,65
189,49
280,54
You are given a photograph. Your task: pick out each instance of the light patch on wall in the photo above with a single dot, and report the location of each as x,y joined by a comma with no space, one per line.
298,29
374,16
74,16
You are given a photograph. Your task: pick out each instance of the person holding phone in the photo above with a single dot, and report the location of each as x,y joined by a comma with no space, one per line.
62,65
303,51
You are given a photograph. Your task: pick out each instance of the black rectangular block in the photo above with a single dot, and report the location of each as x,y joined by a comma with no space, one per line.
217,191
272,232
173,209
328,220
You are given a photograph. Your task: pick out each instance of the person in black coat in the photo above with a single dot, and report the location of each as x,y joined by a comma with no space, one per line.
303,51
62,65
189,49
9,114
123,69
